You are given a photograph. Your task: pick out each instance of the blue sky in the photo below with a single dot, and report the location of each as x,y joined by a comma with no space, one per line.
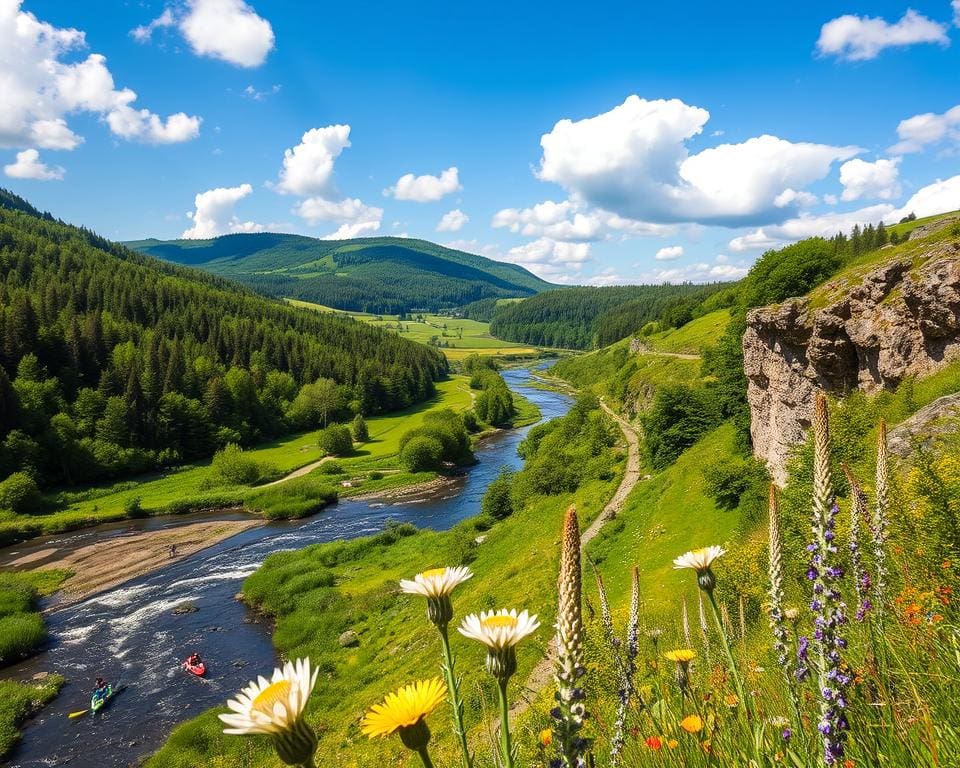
594,144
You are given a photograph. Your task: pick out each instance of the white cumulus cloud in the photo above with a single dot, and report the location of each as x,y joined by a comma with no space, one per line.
571,222
860,38
41,90
634,162
229,30
550,259
879,180
214,213
757,240
929,128
308,167
452,221
426,188
355,218
669,253
940,197
701,272
29,166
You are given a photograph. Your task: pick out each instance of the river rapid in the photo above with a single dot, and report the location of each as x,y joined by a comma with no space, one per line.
131,636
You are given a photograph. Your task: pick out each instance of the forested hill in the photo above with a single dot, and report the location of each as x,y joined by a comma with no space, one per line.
113,362
585,318
385,275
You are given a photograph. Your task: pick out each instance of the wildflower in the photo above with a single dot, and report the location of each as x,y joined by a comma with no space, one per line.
682,657
673,744
625,687
879,526
692,723
731,700
500,631
275,708
700,560
791,614
405,712
436,585
569,667
827,604
654,743
546,737
861,579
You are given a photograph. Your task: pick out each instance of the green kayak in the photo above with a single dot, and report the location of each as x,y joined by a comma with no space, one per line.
100,698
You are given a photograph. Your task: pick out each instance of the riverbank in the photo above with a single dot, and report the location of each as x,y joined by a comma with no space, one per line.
106,564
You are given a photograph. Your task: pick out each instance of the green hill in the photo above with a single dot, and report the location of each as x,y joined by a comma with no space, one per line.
383,275
112,362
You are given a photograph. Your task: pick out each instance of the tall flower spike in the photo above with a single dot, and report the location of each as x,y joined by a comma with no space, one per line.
861,579
570,711
607,620
879,527
778,623
625,688
827,603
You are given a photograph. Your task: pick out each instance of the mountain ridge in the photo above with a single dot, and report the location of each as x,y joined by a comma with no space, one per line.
378,274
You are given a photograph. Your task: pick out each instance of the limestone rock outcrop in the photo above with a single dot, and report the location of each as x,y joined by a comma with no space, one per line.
894,321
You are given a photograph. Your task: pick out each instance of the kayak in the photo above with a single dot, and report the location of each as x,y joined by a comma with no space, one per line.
195,669
100,698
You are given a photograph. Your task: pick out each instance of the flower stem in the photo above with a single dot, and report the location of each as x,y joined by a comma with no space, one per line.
726,647
505,745
456,702
425,757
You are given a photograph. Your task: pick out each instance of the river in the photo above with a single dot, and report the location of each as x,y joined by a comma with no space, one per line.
130,635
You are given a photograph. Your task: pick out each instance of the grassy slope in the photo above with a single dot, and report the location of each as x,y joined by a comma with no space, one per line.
18,701
693,337
284,455
512,568
463,337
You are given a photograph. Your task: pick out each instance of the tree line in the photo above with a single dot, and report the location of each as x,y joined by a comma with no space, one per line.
112,362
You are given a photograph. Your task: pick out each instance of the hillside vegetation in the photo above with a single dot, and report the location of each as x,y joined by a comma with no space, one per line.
112,362
587,318
380,275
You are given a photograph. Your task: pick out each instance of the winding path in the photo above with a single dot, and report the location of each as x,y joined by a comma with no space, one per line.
542,674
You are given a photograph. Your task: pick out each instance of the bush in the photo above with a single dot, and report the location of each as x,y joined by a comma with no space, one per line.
19,493
336,440
678,417
132,507
446,427
496,501
375,475
421,453
359,429
330,468
232,467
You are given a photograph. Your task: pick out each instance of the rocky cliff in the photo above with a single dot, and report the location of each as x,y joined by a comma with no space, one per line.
869,330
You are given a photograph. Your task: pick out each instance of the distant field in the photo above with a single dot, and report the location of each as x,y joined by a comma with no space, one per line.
456,337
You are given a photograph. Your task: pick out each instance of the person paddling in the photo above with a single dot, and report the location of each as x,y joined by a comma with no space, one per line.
100,688
194,660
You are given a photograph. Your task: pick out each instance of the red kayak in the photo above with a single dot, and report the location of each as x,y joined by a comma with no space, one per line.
195,669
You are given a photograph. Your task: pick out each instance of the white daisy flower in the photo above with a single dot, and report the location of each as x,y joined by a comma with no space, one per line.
501,629
273,706
437,582
699,559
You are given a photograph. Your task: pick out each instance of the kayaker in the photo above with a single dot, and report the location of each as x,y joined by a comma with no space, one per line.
194,660
101,687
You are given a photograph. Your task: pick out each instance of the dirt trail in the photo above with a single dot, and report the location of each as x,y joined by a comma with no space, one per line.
678,355
108,563
542,674
305,470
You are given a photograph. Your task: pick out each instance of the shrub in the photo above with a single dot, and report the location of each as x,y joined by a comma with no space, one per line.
375,475
446,427
19,493
132,507
359,429
336,440
496,501
421,453
678,417
232,467
330,468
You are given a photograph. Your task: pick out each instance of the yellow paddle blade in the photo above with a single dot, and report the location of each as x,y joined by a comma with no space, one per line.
78,714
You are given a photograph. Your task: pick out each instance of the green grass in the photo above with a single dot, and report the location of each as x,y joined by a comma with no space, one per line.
692,337
21,626
18,701
663,518
321,591
460,337
166,491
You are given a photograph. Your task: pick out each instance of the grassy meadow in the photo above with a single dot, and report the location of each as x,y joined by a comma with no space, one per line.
456,337
185,488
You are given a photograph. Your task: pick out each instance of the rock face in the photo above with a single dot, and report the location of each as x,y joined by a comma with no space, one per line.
899,320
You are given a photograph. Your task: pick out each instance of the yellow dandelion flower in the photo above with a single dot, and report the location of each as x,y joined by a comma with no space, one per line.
673,743
546,737
405,708
681,655
731,700
692,723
